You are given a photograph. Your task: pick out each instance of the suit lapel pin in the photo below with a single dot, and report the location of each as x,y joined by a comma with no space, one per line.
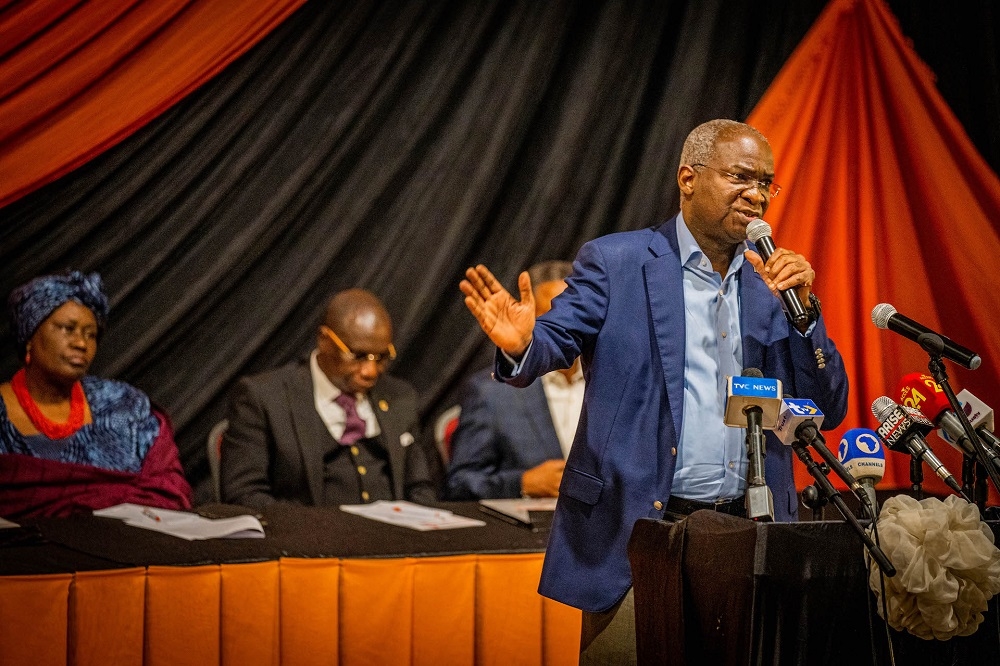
383,405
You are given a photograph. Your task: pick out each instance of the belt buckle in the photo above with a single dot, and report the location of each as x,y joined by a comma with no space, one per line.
720,505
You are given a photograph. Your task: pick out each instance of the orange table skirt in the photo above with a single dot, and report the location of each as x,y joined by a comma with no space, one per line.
464,609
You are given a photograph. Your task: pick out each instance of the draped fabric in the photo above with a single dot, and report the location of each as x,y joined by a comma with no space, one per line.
889,198
390,145
78,77
458,609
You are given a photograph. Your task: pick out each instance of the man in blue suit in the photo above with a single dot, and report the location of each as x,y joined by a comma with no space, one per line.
660,317
513,442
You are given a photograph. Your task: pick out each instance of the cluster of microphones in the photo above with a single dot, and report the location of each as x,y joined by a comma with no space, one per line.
758,404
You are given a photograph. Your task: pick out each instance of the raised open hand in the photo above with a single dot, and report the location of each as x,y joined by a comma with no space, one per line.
507,322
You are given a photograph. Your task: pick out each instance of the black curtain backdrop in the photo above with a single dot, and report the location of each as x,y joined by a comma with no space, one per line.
390,145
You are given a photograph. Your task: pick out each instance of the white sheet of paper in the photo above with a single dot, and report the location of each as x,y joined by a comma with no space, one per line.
413,516
183,524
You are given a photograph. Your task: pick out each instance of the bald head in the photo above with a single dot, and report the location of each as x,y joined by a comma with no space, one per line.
356,307
356,325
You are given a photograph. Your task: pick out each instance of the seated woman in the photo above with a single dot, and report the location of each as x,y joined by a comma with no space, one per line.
71,442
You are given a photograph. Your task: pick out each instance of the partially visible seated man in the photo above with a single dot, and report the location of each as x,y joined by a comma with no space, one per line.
513,442
69,441
331,430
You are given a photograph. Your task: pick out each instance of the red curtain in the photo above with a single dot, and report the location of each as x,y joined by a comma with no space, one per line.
888,198
78,77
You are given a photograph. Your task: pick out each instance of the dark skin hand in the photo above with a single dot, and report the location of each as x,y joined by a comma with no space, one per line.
506,321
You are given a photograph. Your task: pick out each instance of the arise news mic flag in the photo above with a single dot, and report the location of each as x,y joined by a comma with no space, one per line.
885,316
862,454
903,429
752,402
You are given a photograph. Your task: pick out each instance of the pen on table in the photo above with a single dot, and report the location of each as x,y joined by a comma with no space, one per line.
150,514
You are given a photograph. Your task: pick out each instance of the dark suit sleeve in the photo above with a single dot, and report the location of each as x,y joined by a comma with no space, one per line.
245,475
475,469
820,373
420,485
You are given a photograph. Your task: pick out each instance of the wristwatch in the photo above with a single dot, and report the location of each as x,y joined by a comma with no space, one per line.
814,308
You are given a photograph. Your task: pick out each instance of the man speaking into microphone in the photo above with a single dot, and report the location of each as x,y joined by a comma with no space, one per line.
660,318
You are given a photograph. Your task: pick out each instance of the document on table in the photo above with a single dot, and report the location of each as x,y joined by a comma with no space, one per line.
413,516
183,524
519,509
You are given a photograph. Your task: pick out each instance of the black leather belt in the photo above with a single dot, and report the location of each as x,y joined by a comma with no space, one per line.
684,507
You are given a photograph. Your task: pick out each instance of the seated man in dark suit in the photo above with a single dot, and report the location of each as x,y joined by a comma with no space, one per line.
512,442
333,430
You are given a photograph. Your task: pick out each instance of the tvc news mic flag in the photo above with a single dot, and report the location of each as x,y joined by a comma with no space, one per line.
743,392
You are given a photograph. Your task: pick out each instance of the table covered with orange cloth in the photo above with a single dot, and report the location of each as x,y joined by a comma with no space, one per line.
323,587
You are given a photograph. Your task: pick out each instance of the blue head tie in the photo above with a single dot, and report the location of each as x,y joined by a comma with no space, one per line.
32,303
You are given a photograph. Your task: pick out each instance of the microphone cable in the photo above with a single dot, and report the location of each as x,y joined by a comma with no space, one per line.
882,599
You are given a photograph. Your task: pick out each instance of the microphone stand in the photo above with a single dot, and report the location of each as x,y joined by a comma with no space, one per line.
759,503
916,477
809,434
826,488
934,346
982,489
969,475
814,500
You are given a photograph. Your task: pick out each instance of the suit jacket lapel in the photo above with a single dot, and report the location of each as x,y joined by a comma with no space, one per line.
392,429
665,295
310,431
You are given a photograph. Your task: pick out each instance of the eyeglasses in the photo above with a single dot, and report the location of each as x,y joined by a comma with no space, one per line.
358,357
765,186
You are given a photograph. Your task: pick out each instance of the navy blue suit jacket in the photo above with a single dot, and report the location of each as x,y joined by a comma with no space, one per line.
623,313
502,432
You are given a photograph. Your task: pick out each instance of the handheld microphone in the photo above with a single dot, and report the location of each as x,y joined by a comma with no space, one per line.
903,429
799,420
863,455
752,402
885,316
759,233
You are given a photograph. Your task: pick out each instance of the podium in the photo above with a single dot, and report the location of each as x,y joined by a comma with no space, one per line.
717,589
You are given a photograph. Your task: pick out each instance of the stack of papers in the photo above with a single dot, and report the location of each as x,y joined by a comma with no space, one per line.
413,516
185,525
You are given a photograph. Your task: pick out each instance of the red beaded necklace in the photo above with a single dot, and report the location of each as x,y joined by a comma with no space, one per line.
46,426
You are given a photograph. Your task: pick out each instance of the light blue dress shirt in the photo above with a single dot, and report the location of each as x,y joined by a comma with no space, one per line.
711,457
